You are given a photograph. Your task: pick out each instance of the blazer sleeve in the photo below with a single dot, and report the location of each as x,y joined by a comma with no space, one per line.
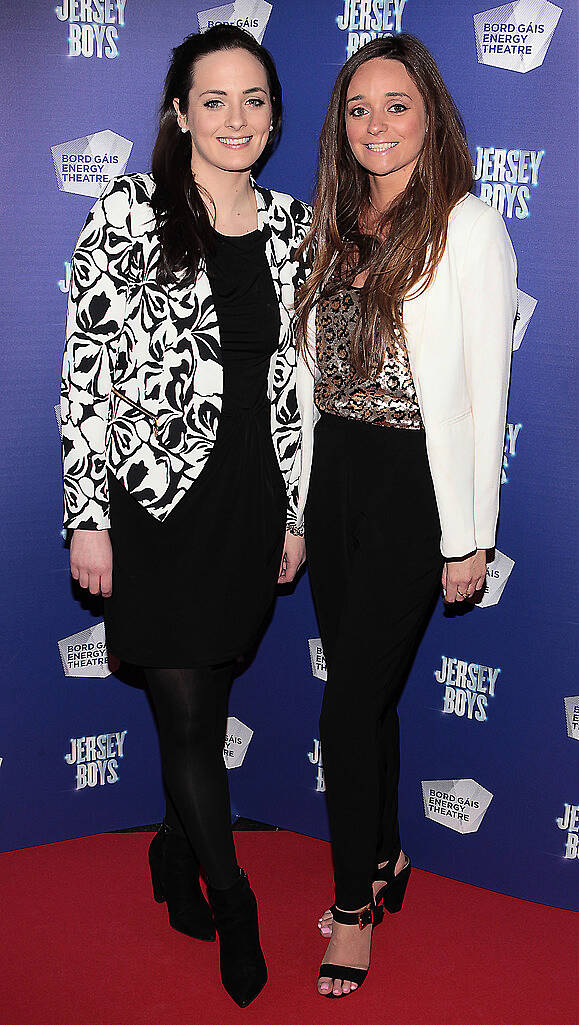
301,215
306,377
96,309
488,281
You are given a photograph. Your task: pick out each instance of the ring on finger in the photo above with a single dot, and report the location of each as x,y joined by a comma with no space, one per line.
467,595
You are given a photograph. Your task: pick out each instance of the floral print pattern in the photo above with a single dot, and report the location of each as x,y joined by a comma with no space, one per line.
142,371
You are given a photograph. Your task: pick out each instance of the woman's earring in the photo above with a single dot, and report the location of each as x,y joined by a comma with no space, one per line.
271,128
183,129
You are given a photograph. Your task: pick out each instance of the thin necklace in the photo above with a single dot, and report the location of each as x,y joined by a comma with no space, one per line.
375,208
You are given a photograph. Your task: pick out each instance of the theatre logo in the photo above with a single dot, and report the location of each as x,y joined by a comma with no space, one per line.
569,823
511,439
516,36
468,687
506,177
85,654
317,659
525,309
64,282
93,26
498,573
315,759
237,740
459,804
251,15
85,165
96,758
364,20
572,717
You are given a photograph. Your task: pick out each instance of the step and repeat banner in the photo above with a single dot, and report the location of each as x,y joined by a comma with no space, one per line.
489,792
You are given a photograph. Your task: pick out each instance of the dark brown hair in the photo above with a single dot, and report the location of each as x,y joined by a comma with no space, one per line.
411,235
183,224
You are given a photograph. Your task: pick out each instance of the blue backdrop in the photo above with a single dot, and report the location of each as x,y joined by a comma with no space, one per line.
490,716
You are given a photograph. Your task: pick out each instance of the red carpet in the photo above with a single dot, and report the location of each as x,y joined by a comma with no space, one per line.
84,944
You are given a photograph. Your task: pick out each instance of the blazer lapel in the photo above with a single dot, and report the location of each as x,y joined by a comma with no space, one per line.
273,245
414,315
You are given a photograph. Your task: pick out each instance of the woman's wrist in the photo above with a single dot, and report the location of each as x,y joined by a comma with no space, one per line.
295,530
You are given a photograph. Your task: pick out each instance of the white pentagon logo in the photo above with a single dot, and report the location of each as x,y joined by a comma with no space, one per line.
572,717
85,165
516,36
317,658
251,15
525,309
459,804
237,741
498,572
85,653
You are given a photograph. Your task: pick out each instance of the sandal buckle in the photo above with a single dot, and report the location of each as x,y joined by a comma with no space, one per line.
365,917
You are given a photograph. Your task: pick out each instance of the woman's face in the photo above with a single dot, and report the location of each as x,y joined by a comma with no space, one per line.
385,120
228,111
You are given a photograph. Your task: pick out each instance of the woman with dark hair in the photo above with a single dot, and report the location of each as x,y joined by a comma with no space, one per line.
181,446
406,323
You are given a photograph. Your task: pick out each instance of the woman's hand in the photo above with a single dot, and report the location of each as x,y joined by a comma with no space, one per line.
91,561
294,556
461,578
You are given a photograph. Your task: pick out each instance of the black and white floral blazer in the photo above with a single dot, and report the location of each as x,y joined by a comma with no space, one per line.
142,374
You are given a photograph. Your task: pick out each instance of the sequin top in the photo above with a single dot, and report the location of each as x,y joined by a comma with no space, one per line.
387,398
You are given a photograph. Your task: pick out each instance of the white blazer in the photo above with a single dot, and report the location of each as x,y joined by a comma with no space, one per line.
459,335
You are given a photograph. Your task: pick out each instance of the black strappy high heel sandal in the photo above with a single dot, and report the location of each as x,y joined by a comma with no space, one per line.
372,915
391,895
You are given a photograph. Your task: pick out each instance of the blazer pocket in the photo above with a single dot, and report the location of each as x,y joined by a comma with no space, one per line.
135,405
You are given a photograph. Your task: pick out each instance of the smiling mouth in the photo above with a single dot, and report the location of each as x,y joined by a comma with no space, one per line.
235,143
380,147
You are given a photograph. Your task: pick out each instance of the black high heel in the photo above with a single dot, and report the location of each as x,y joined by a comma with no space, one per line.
371,915
241,960
391,895
175,879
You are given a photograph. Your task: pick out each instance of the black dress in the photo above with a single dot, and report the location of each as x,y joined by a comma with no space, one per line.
196,589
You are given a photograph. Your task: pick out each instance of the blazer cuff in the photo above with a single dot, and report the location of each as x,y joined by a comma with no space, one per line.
83,522
457,547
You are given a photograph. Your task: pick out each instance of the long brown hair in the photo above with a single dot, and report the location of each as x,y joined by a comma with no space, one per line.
411,235
183,224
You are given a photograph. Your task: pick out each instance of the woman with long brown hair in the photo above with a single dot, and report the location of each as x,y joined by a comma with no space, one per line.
406,323
181,446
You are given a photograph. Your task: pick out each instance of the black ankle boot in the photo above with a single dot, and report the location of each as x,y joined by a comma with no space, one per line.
243,968
175,878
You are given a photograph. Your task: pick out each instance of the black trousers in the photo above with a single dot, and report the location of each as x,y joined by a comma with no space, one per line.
373,542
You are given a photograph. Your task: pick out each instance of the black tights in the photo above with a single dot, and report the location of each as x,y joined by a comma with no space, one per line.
191,710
